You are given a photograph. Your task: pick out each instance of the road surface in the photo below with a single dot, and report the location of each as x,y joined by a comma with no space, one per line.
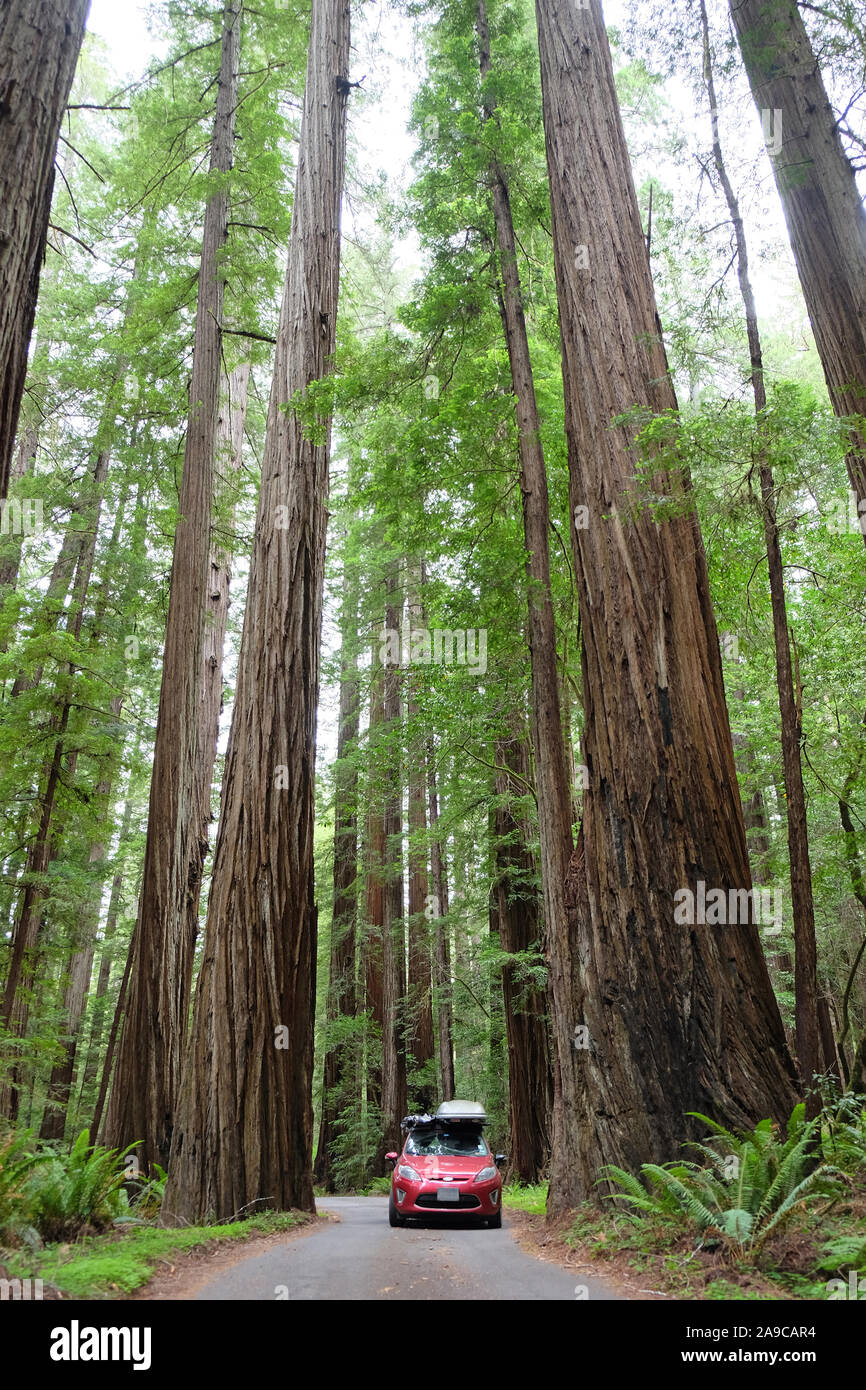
362,1257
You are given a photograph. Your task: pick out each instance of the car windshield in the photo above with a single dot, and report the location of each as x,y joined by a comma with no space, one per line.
446,1144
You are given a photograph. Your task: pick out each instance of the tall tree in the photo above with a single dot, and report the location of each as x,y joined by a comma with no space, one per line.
244,1129
652,1018
805,949
147,1070
40,41
530,1071
551,771
822,203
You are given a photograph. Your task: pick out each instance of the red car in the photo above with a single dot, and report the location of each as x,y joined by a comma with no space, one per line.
446,1167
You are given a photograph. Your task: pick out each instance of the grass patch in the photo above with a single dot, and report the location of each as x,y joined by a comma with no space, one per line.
532,1199
109,1266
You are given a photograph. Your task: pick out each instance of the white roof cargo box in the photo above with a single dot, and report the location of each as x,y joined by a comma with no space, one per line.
466,1110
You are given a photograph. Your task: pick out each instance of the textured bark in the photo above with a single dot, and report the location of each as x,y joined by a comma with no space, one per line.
39,45
441,944
341,980
245,1119
805,948
553,788
678,1017
825,216
143,1096
421,1043
530,1072
394,1098
230,438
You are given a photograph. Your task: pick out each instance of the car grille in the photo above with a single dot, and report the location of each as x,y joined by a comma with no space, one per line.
429,1199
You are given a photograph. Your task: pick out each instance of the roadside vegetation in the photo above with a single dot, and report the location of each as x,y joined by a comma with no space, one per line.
752,1215
87,1227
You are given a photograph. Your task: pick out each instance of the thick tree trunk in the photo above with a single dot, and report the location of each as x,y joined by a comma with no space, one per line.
394,1097
39,45
823,209
805,948
441,944
245,1119
341,982
530,1072
147,1074
553,787
671,1015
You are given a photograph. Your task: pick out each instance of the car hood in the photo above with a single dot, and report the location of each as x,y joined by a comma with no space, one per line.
437,1166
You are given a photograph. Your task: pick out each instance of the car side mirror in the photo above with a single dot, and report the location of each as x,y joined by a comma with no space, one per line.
500,1160
391,1158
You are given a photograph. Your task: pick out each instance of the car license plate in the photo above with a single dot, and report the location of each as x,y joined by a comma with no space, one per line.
448,1194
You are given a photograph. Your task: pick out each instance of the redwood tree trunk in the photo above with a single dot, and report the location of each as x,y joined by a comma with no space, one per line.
230,436
147,1072
823,209
245,1118
553,787
671,1017
530,1073
39,45
805,949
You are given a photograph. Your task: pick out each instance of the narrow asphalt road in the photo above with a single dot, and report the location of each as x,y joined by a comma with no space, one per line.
361,1257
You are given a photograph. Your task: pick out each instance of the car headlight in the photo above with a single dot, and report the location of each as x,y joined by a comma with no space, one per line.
404,1171
485,1175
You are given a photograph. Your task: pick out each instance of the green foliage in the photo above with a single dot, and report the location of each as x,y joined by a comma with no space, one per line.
751,1184
109,1266
18,1160
79,1191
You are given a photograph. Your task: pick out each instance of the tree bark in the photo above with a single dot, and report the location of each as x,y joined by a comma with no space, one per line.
823,209
143,1097
805,947
677,1017
530,1073
230,437
244,1131
553,788
39,45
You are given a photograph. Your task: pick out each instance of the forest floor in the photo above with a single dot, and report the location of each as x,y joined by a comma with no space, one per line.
657,1259
121,1262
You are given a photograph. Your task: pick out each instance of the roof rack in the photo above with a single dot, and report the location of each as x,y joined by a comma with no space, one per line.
462,1112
